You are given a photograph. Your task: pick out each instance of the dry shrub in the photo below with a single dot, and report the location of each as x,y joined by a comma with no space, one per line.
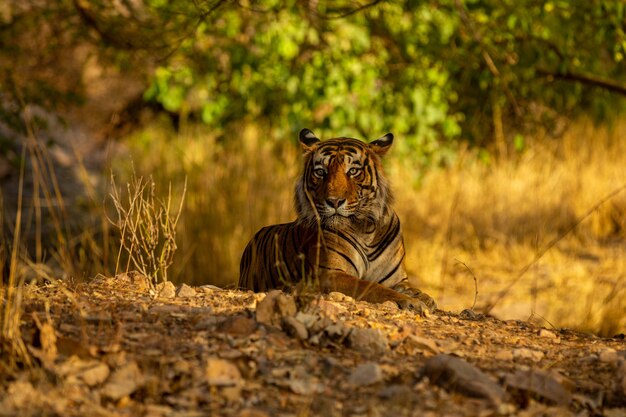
147,228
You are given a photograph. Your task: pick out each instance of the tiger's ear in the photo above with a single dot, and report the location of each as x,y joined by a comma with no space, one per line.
308,140
381,145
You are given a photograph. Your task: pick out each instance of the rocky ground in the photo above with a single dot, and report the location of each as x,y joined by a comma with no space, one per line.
116,347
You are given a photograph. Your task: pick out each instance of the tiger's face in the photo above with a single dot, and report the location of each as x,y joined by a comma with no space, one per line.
342,182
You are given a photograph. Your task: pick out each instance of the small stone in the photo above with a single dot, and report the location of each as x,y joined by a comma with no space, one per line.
539,384
307,319
370,342
185,291
20,395
525,353
337,296
294,328
366,374
335,330
166,290
469,314
138,281
455,374
222,373
274,307
329,308
608,355
94,375
251,412
399,394
503,355
422,344
124,381
547,334
239,326
303,383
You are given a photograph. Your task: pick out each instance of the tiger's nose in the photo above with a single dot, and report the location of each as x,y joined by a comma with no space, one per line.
335,202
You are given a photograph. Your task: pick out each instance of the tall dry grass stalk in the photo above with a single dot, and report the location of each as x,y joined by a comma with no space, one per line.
41,238
489,220
12,347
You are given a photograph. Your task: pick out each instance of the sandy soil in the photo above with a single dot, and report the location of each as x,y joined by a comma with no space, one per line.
116,347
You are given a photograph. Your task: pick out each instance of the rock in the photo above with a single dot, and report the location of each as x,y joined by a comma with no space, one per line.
525,353
422,344
91,372
307,319
338,296
20,395
328,308
370,342
504,355
95,374
399,394
545,333
457,375
608,355
303,383
137,280
252,412
366,374
469,314
239,326
335,330
185,291
222,373
538,384
295,328
165,290
274,307
124,381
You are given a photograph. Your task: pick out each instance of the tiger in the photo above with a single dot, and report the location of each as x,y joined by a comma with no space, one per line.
346,237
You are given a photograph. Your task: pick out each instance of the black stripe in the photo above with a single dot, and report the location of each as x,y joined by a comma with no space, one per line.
346,257
386,240
390,274
352,242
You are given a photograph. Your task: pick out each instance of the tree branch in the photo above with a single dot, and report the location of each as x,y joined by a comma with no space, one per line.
586,79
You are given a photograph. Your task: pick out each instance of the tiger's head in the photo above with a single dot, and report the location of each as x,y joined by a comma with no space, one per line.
342,182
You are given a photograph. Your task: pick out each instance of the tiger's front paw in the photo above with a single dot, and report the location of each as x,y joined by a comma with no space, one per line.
415,305
415,293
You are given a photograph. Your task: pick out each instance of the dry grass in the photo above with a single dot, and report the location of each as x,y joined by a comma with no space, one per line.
234,187
147,228
496,218
489,219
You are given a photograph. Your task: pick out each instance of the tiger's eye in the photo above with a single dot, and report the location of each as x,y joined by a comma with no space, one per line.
319,172
353,172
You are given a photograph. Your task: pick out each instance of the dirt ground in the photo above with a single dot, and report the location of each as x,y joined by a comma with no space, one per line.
115,347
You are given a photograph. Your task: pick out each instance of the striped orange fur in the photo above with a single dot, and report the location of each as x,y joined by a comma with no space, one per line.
346,237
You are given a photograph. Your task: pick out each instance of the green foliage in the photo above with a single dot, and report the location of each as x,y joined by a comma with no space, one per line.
291,67
430,71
